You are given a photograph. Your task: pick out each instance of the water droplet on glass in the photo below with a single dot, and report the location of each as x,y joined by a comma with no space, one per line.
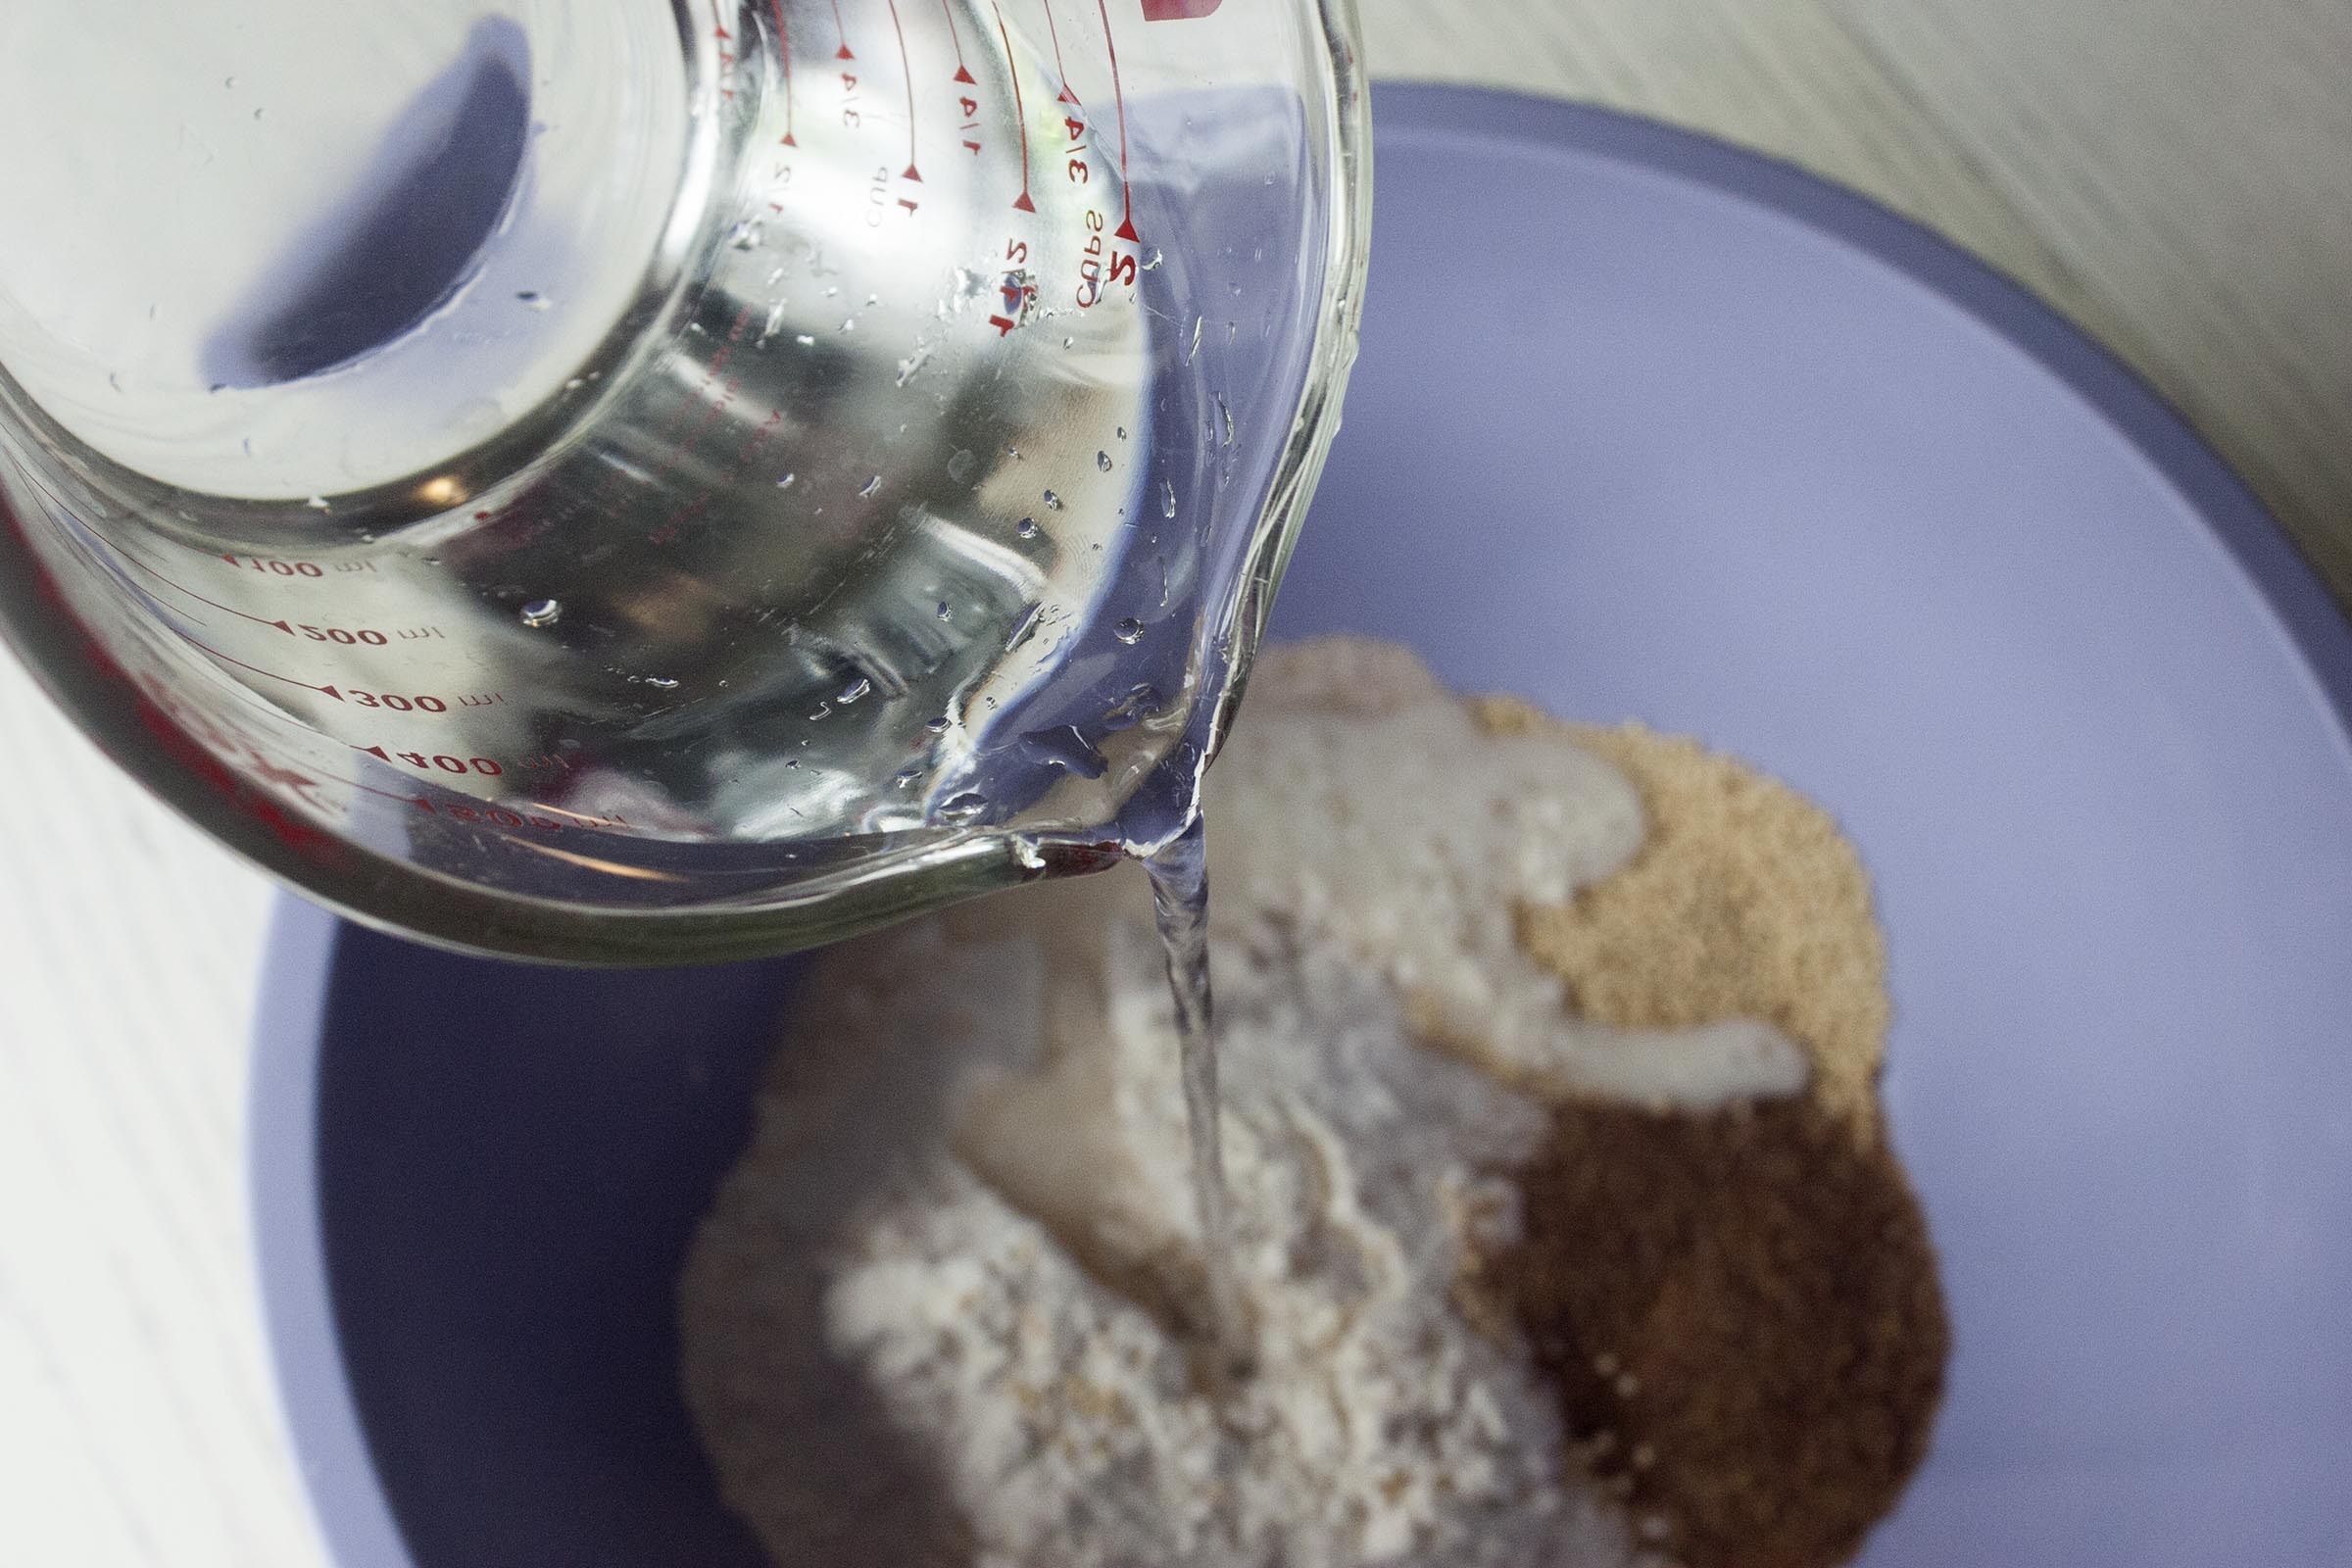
942,610
1167,498
541,612
261,114
1102,461
1052,502
533,298
788,481
318,504
747,235
1063,747
854,690
1129,631
663,682
1226,415
1122,432
229,83
961,466
963,808
866,490
1130,710
907,778
1027,526
940,725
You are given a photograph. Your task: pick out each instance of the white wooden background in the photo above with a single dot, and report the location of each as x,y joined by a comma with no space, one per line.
2176,174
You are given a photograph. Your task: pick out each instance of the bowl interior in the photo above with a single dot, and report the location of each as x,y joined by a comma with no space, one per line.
1642,427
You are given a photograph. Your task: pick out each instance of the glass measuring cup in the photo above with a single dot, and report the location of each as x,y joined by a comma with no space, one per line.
616,481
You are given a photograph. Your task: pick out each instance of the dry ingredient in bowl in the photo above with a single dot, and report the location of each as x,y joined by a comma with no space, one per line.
1740,1313
939,1312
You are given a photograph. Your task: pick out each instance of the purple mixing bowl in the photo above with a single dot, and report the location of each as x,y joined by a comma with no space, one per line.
1643,427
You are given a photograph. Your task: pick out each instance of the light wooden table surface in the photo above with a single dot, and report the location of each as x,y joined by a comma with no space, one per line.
2175,174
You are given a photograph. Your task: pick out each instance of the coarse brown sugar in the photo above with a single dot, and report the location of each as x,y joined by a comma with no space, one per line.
1743,901
1740,1309
1742,1313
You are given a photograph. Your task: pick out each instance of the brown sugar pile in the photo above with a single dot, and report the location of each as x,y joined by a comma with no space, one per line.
1741,1312
1740,1309
1743,902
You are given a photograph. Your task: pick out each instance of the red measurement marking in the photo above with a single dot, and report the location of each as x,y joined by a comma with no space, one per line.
726,54
442,761
1020,115
255,668
465,810
1178,10
534,814
291,568
185,735
190,738
775,9
129,560
843,53
1059,69
956,39
907,69
582,817
157,713
271,771
1126,228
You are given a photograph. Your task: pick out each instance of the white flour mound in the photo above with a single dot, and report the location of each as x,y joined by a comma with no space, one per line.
935,1314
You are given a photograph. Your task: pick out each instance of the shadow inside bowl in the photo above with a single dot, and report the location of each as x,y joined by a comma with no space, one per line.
512,1161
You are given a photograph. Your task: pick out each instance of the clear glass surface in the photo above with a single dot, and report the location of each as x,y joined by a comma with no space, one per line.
618,483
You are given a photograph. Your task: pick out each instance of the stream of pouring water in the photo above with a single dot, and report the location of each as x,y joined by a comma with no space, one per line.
1180,897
